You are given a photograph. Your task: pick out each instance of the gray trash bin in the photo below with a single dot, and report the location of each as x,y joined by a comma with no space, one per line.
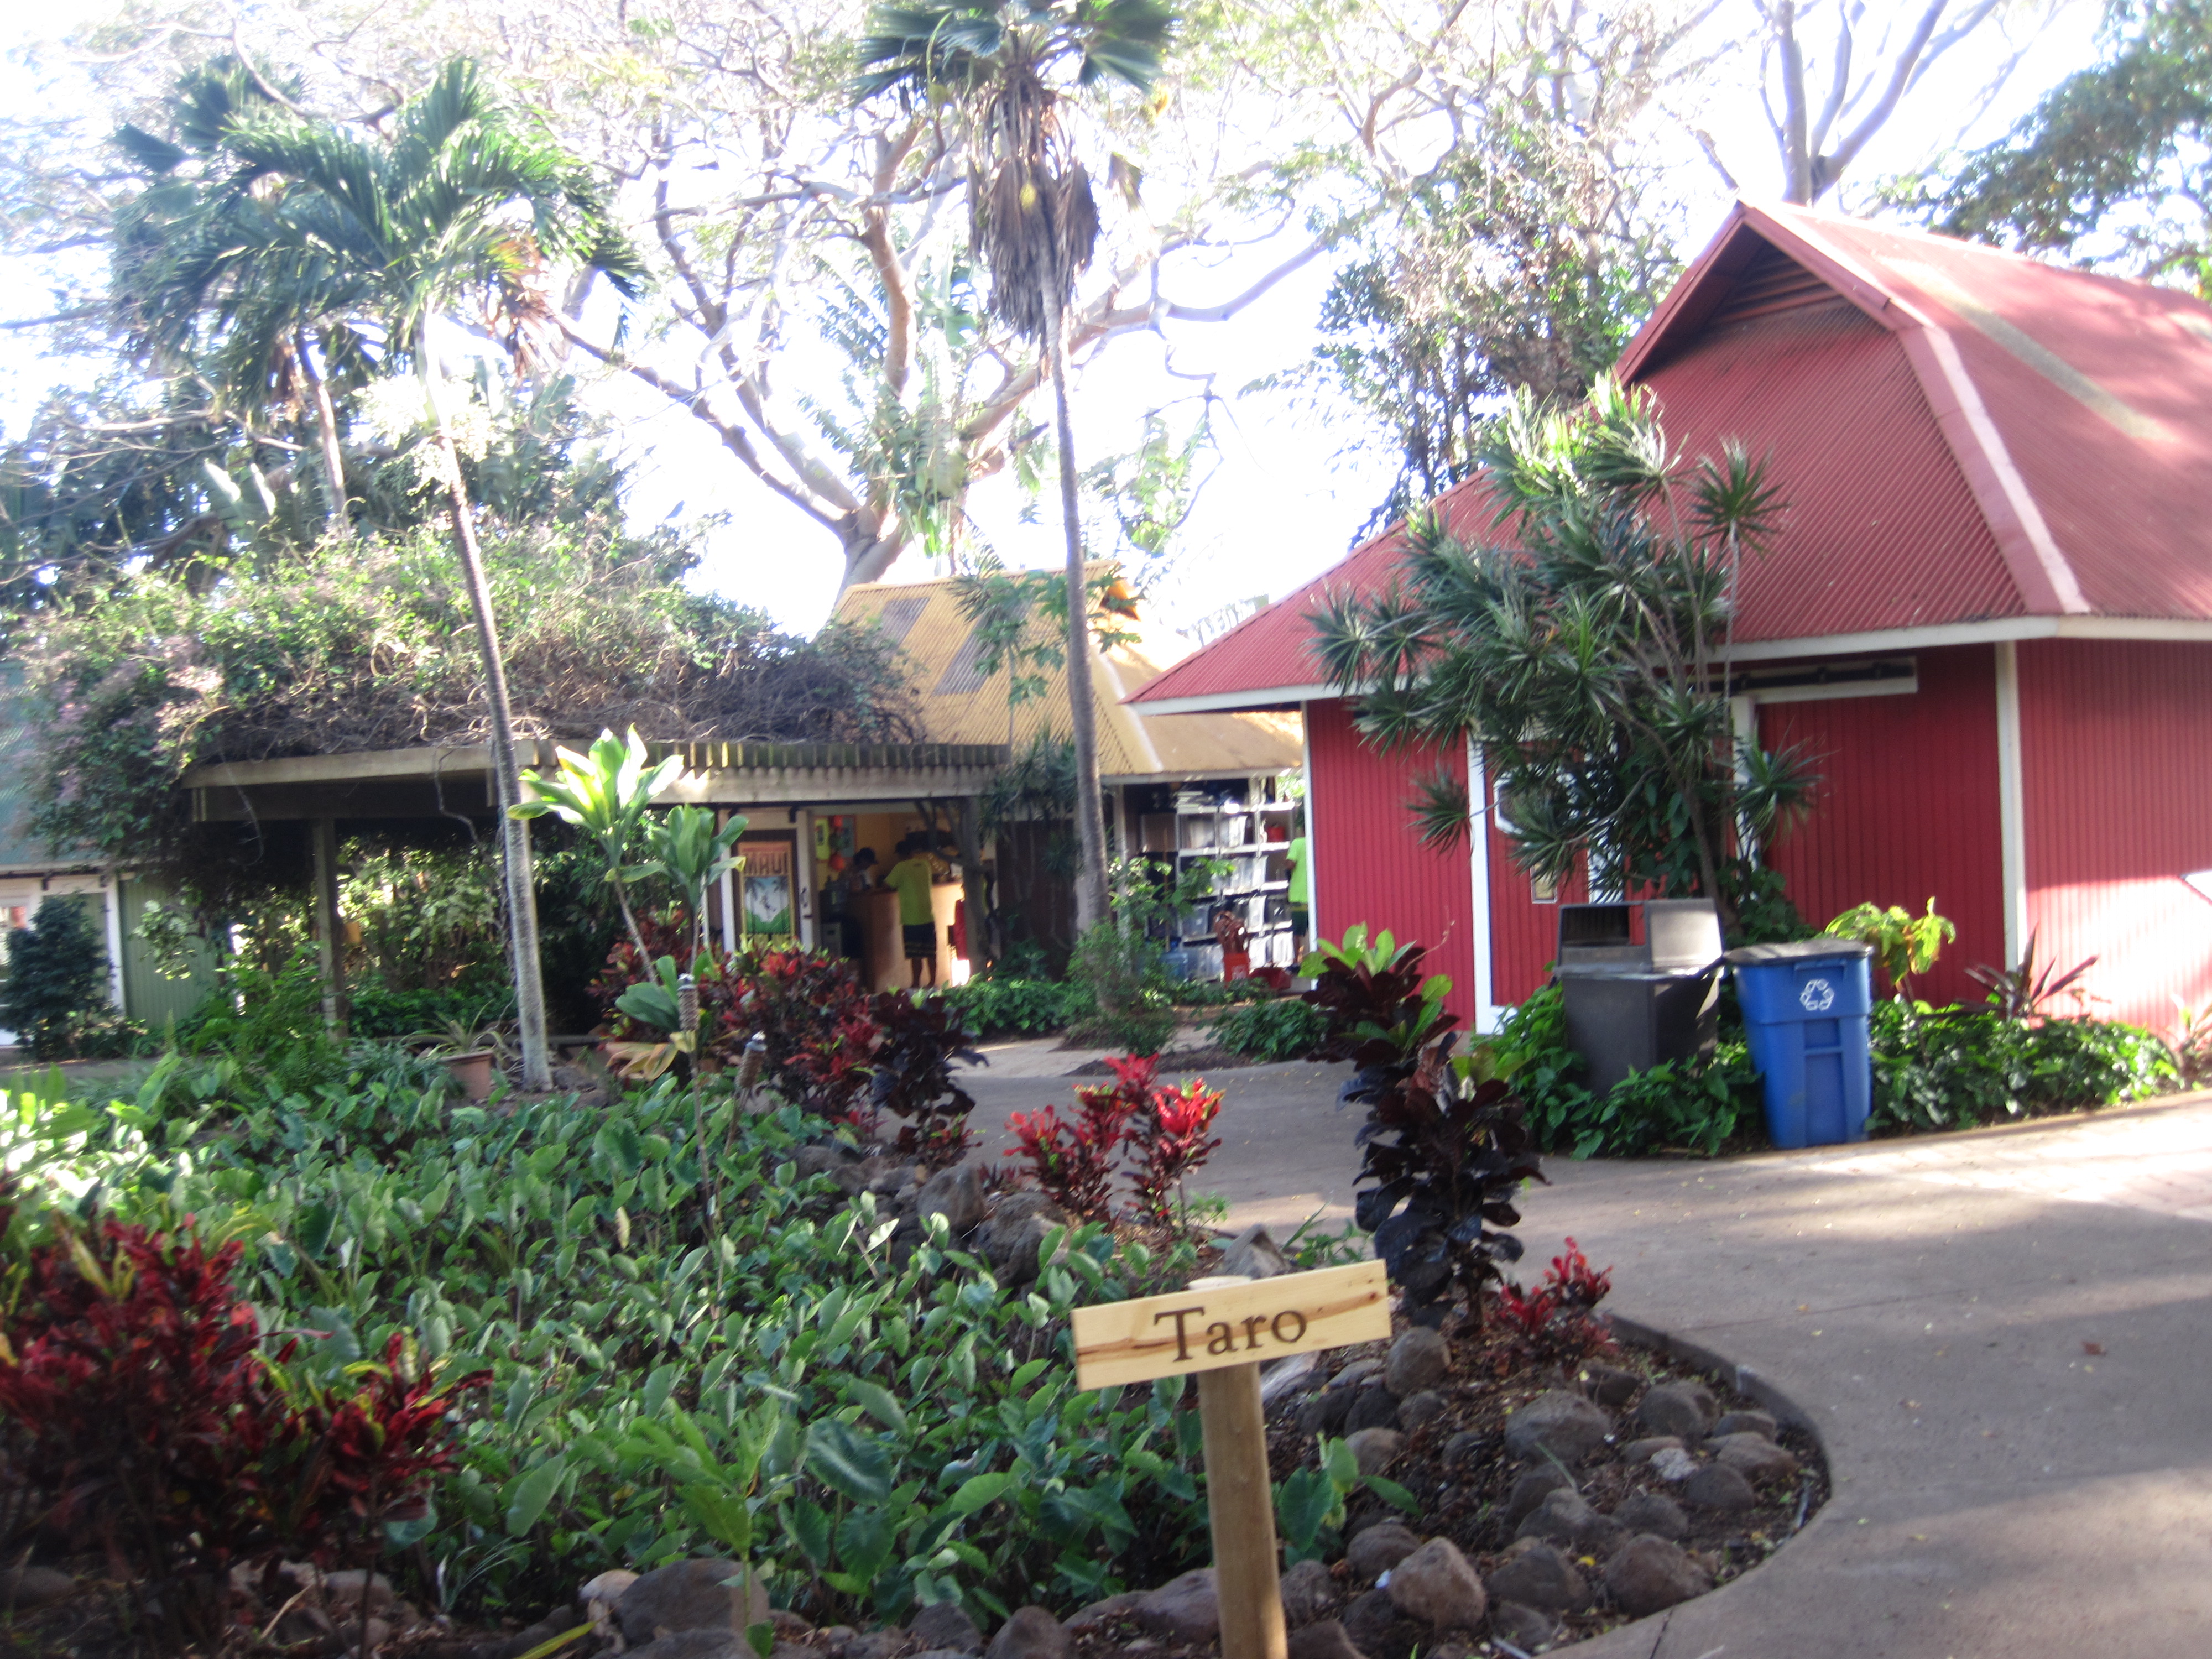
1629,1007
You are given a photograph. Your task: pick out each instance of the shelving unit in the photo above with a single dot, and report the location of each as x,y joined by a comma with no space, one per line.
1228,819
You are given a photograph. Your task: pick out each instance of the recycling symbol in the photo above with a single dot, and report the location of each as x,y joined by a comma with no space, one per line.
1818,996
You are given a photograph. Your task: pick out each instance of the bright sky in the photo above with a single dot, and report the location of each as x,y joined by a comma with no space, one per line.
1291,486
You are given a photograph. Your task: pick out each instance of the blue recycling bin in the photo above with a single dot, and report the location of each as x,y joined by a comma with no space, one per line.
1805,1020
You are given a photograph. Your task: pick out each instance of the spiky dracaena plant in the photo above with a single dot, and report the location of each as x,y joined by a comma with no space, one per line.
1581,635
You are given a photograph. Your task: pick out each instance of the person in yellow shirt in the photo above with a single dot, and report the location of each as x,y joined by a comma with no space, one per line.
911,879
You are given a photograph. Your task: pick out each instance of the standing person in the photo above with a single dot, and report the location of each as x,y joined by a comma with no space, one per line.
911,879
1301,892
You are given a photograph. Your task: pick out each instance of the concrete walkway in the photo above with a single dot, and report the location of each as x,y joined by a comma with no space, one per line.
2004,1337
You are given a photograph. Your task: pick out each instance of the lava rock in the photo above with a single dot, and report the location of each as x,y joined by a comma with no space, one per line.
1566,1518
1374,1409
1649,1574
1644,1451
1378,1549
1185,1609
788,1626
825,1157
37,1587
1532,1488
1113,1606
1418,1411
1565,1425
1527,1628
1014,1246
1436,1585
1308,1591
1541,1576
1327,1640
1757,1422
1610,1385
1686,1410
1359,1371
1671,1463
1753,1457
342,1590
1031,1633
1254,1254
1418,1360
1655,1513
1716,1487
1375,1449
944,1625
957,1194
691,1645
1289,1379
886,1643
1367,1621
1324,1413
690,1595
1461,1448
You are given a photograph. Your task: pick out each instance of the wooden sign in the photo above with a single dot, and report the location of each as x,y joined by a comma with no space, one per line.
1222,1322
1223,1329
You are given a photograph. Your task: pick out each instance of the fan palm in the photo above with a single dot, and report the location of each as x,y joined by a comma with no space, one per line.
356,244
1010,68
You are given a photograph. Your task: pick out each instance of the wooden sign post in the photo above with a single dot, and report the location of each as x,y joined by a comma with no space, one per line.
1221,1330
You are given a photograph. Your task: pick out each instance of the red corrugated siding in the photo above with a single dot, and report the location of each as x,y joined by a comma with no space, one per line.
1524,935
2116,780
1369,862
1907,809
1879,529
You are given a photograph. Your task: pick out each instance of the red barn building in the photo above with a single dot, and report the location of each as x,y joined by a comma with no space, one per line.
1988,614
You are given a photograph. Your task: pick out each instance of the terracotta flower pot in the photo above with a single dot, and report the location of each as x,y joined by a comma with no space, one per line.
472,1071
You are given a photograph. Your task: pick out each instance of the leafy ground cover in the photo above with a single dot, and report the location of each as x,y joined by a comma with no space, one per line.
906,1432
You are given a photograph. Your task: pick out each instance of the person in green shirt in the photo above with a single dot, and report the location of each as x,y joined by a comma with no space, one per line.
911,879
1300,895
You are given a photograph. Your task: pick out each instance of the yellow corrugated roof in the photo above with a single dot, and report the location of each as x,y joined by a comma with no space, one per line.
958,705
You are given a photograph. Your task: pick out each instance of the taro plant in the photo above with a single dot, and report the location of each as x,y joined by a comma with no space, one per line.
1310,1502
572,1256
1445,1148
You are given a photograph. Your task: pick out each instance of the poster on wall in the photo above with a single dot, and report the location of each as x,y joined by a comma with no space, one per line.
765,882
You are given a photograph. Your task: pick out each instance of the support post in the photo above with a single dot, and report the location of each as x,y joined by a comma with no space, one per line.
330,940
1240,1506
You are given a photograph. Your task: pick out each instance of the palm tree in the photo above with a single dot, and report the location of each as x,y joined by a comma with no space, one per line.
323,240
1010,68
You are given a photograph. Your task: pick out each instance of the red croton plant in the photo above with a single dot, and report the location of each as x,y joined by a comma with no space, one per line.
1162,1126
139,1402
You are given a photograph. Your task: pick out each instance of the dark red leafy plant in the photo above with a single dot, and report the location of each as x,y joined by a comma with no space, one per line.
1554,1319
143,1406
1072,1163
910,1056
1445,1147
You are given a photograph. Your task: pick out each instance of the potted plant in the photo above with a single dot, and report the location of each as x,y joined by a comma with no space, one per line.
472,1054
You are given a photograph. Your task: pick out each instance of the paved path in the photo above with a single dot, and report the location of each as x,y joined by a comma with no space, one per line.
2004,1339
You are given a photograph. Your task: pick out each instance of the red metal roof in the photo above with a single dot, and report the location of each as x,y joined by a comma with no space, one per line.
1964,436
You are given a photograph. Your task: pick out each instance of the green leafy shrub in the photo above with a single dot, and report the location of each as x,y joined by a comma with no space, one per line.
1679,1108
1015,1006
1952,1068
1128,995
265,1028
1282,1028
914,1432
55,995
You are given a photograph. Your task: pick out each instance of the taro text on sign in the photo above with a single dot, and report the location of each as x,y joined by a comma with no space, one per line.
1204,1329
